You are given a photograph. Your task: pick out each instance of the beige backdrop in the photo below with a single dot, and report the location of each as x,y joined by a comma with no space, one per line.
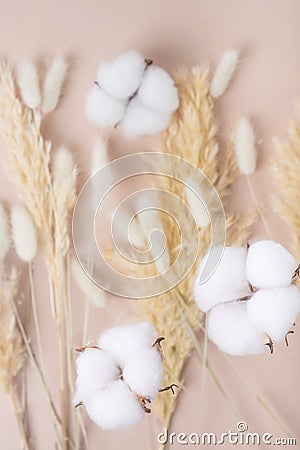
265,87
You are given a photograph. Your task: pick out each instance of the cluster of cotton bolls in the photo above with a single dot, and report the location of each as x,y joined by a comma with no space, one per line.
133,93
121,376
251,294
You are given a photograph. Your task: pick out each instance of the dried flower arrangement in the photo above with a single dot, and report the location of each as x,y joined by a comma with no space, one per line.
125,370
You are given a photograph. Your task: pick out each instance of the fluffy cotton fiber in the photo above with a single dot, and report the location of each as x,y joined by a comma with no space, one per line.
122,77
228,282
102,109
269,265
95,370
115,407
143,372
158,91
232,330
123,341
140,120
274,311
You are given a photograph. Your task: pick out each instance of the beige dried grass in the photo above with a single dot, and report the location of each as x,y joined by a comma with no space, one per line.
192,136
47,201
287,177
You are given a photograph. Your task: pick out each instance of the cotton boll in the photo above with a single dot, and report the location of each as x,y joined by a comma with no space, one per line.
95,370
274,311
223,73
123,341
4,233
122,77
115,407
158,91
269,265
143,372
28,81
230,327
102,109
244,143
227,283
140,120
24,234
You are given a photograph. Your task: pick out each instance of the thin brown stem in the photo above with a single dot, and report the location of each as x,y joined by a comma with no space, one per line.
20,419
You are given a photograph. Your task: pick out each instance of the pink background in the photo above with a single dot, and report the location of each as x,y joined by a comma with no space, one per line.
265,87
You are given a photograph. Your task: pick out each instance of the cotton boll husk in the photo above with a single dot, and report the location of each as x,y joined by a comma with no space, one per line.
224,73
102,109
122,77
123,341
274,311
89,289
24,233
194,200
158,91
231,329
115,407
28,82
96,369
227,283
4,233
143,372
244,143
53,84
140,120
269,265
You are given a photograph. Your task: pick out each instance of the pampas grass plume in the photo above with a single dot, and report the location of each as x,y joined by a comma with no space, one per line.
28,82
224,73
244,142
4,233
63,165
24,234
99,156
53,84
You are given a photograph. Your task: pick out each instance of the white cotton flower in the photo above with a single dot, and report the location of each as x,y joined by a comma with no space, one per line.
93,292
123,341
274,311
122,77
24,233
96,369
143,372
28,81
244,144
53,84
231,329
114,407
227,283
224,73
196,202
140,120
4,233
102,109
158,91
269,265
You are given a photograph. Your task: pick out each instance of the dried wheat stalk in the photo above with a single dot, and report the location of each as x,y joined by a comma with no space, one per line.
49,203
287,170
12,352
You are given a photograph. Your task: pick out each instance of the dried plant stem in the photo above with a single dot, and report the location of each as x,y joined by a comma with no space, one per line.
204,367
257,397
258,206
19,414
35,315
37,367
